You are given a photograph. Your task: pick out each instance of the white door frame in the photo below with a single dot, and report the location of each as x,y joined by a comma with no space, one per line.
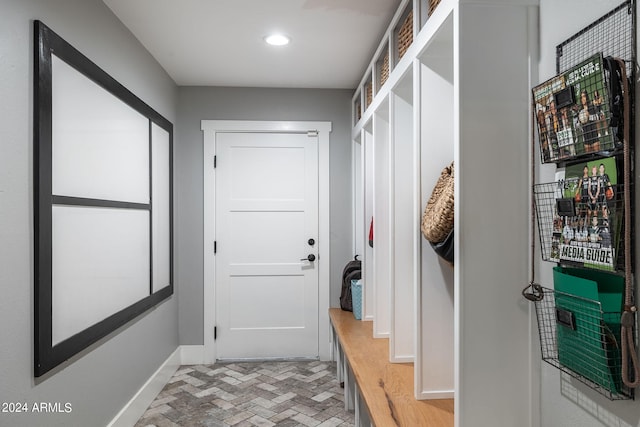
210,128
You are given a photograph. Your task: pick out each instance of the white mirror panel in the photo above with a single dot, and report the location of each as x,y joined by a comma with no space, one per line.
100,145
100,265
160,219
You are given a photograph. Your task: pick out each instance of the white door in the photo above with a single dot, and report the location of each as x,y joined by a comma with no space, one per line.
266,226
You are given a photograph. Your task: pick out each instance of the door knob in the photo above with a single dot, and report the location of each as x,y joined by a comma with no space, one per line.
310,258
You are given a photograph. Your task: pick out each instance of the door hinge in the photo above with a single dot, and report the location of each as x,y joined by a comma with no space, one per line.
312,133
215,333
215,161
215,247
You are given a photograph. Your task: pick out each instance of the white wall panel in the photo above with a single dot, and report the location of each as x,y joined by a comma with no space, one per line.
435,367
100,265
368,273
382,244
492,145
161,218
403,190
100,144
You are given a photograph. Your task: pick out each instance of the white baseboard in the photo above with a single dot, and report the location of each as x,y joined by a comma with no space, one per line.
436,394
401,359
381,334
136,407
192,354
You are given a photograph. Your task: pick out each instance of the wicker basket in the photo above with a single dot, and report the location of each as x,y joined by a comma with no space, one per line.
432,6
405,35
384,68
358,111
437,220
369,95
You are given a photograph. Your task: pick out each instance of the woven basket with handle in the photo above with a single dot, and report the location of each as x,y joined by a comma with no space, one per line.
437,220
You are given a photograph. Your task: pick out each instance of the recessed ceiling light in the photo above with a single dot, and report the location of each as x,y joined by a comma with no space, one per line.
277,39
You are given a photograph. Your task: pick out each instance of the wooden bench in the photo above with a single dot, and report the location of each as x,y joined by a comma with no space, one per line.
380,392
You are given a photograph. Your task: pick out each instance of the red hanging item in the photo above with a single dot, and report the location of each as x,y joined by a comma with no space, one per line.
371,233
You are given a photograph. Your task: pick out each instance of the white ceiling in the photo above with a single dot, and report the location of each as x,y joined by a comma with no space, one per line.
220,42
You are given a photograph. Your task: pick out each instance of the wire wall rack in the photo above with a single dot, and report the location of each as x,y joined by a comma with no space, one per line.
580,215
579,111
579,230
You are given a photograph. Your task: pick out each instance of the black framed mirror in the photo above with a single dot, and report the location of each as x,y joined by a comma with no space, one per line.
102,203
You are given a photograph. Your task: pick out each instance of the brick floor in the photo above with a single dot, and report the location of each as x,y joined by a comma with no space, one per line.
250,394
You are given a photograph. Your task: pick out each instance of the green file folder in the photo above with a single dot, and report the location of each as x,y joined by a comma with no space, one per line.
588,308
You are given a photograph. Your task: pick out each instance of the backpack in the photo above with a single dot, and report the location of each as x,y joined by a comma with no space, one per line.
352,271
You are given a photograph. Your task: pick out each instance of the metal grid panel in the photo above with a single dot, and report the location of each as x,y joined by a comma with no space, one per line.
613,35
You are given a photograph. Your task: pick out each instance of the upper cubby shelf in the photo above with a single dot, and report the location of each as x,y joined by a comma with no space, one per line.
419,28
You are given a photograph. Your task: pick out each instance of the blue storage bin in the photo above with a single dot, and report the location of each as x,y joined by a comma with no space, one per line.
356,298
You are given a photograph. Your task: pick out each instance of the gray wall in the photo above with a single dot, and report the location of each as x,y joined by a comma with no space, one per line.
100,381
198,103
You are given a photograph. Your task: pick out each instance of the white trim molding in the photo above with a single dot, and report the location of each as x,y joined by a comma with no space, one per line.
192,355
136,407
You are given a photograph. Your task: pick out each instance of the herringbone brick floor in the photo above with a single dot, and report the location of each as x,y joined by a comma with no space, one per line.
262,394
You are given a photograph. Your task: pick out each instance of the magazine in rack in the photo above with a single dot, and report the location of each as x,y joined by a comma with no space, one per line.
587,220
572,112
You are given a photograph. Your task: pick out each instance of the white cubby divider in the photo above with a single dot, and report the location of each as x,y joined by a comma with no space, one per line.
459,93
368,276
382,222
403,186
